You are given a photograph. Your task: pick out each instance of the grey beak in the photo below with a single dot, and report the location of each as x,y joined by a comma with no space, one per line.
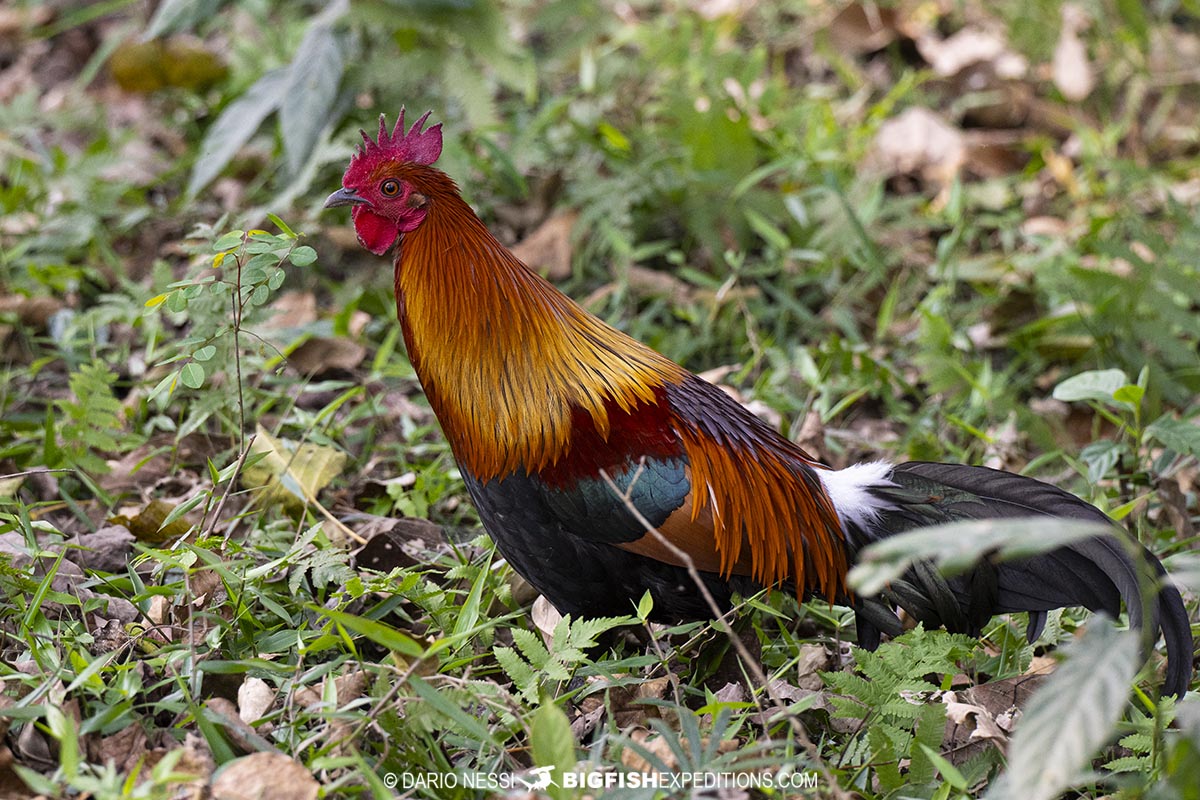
343,197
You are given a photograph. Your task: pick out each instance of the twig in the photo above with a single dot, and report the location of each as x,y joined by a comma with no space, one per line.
748,660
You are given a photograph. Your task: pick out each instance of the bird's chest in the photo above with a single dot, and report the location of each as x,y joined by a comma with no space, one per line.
612,507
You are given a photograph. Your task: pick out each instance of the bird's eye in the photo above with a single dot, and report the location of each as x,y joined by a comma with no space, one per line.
390,187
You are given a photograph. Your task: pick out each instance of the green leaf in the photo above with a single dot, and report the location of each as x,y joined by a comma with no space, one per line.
1071,715
377,632
174,16
205,353
1098,385
313,78
303,256
469,615
948,771
468,724
192,375
283,226
235,125
228,241
645,606
552,744
1181,436
1130,394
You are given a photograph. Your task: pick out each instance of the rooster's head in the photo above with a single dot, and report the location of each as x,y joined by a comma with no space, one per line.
378,182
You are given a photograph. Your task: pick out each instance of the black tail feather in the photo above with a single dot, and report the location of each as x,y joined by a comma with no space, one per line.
1096,573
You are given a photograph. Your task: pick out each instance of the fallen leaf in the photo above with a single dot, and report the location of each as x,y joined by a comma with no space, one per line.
918,142
1071,70
264,776
392,543
292,310
662,749
122,750
180,61
318,355
255,698
546,617
968,47
108,549
863,28
291,473
147,524
548,248
812,660
31,312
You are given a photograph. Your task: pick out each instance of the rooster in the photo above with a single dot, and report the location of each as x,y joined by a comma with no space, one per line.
604,470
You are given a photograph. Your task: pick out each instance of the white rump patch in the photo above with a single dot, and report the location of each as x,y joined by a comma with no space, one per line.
848,491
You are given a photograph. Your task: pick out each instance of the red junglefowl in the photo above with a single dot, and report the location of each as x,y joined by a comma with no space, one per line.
541,401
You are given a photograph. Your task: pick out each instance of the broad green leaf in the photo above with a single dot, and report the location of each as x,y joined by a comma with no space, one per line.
552,744
1098,385
174,16
1180,435
303,256
229,241
283,226
1071,715
205,353
235,125
1131,394
191,375
313,79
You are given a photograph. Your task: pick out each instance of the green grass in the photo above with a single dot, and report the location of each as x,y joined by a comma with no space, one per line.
204,397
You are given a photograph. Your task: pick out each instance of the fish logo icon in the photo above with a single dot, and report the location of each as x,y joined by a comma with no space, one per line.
541,779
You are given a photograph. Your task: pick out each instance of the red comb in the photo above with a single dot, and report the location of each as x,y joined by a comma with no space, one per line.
416,146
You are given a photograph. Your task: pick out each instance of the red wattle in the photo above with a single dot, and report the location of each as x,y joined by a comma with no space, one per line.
375,233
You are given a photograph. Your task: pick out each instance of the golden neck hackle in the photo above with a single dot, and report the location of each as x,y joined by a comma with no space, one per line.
504,356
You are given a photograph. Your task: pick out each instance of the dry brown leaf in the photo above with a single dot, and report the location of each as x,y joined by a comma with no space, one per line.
660,747
264,776
863,28
548,248
1052,227
392,543
17,21
32,312
995,154
318,355
971,46
255,698
715,9
918,142
292,310
546,617
1175,506
1071,70
291,473
242,736
108,549
123,749
812,660
147,524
